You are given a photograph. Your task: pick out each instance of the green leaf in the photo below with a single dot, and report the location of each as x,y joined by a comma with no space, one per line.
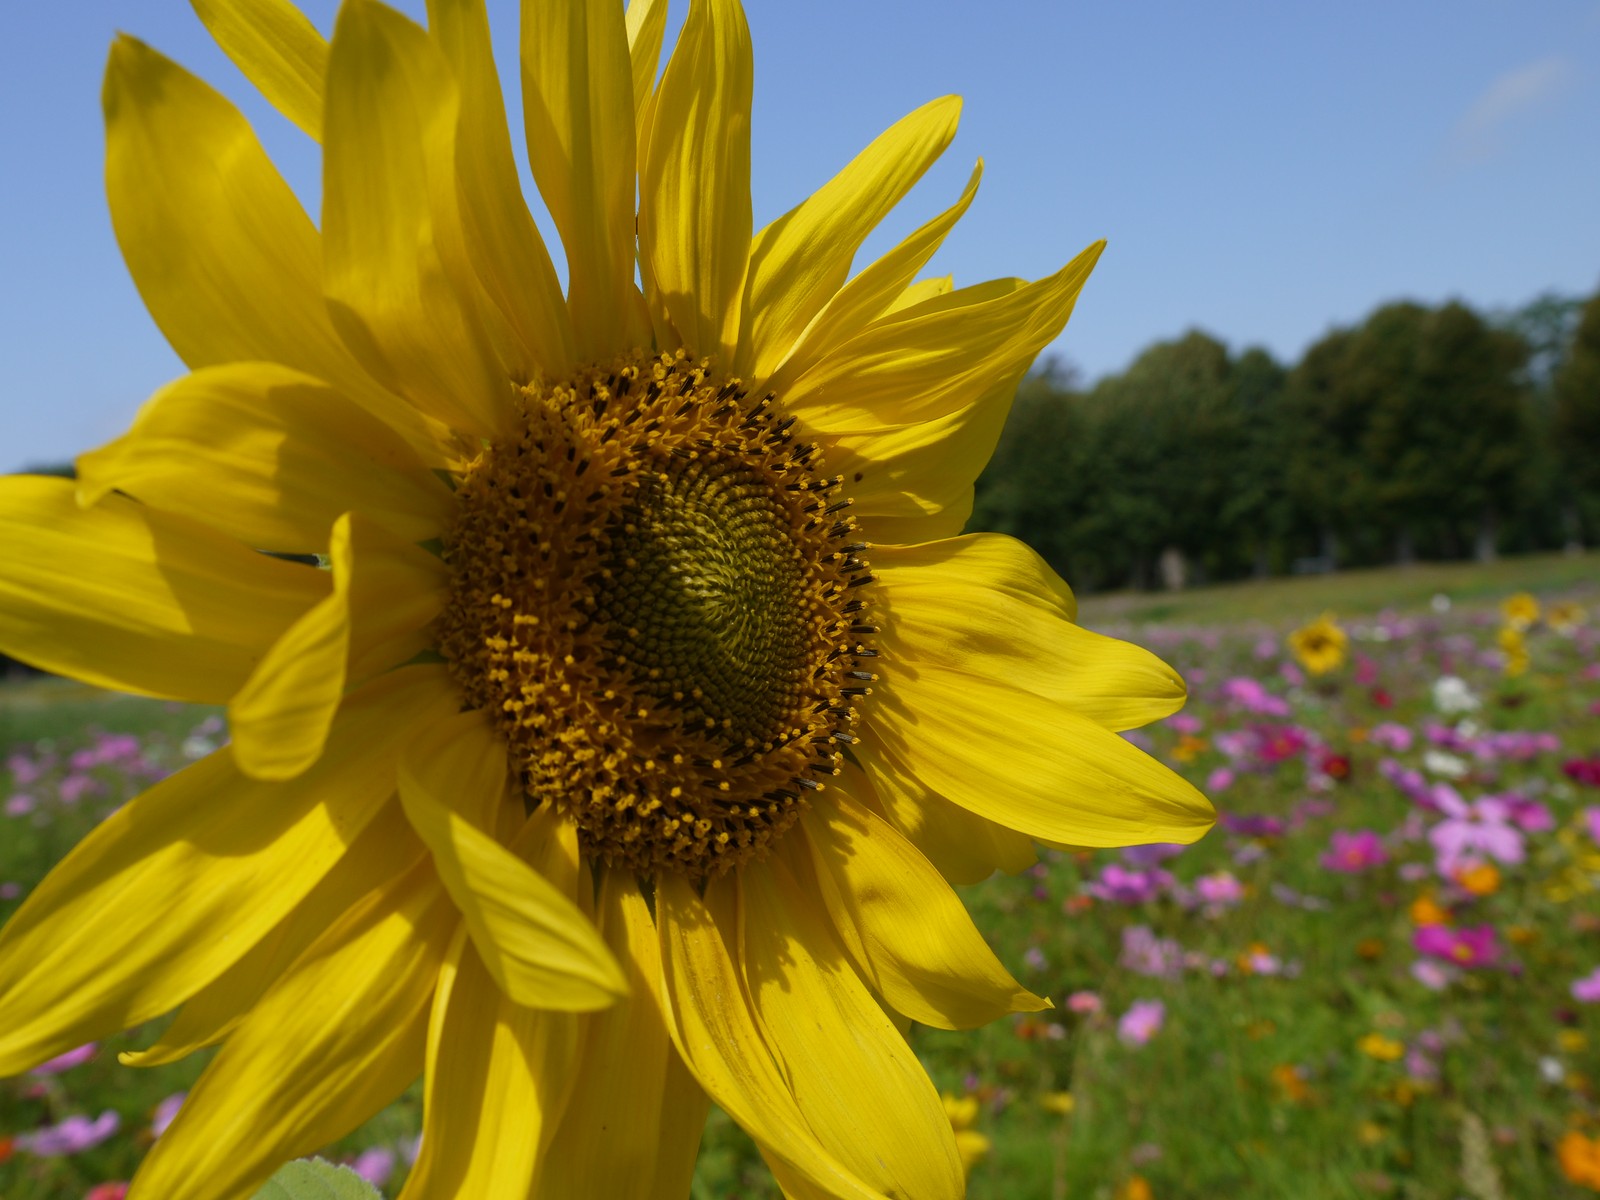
316,1179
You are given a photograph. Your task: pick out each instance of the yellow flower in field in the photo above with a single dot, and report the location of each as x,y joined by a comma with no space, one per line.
1566,617
1515,648
1136,1188
1319,646
972,1146
1384,1049
1188,748
1521,610
1061,1104
602,687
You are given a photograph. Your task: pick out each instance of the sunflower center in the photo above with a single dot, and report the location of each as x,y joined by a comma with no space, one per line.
657,595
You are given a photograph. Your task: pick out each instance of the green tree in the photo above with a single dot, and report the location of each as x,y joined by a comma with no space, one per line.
1577,416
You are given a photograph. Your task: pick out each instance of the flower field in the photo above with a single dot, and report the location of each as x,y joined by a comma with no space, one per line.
1378,976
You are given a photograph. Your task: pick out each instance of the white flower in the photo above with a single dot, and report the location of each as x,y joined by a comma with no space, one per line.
1452,695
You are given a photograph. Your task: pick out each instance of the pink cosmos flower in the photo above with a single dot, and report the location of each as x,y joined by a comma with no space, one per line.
1118,885
117,1190
71,1136
1591,818
20,805
1144,953
375,1165
1219,780
1388,735
165,1113
1219,890
1468,946
1434,976
1185,723
1251,696
1473,830
1527,814
1587,989
1084,1003
1354,852
1141,1022
65,1062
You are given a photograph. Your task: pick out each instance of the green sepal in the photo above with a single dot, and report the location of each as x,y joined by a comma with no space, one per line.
316,1179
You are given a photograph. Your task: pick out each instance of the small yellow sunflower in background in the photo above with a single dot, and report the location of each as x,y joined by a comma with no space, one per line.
1521,610
1319,646
1566,617
598,627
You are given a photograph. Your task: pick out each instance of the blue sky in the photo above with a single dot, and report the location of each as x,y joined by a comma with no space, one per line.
1263,171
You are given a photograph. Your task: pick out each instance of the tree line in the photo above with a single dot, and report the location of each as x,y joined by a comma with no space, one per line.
1423,432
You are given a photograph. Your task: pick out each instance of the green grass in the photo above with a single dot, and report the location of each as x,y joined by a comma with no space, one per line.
1347,593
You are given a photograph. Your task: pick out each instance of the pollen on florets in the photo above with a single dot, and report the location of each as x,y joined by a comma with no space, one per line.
659,597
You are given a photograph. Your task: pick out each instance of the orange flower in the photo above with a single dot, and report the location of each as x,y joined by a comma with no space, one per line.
1480,880
1291,1084
1137,1188
1579,1157
1425,910
1189,748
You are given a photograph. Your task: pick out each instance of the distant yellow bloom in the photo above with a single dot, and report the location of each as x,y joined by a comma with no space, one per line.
1060,1103
1515,648
1188,748
1384,1049
1481,880
1320,646
569,671
1521,610
1370,1133
1573,1041
962,1110
1136,1188
1566,616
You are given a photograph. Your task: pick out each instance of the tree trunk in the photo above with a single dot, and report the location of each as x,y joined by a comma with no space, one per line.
1487,544
1405,549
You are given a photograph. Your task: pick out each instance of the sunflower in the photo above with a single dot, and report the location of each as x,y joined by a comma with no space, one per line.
528,604
1320,646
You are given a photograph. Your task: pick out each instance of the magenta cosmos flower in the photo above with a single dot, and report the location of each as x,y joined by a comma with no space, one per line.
1352,853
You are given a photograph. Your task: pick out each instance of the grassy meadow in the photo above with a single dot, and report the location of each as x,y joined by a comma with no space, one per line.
1367,981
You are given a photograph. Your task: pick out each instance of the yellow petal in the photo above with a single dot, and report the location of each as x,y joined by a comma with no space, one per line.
384,594
1029,762
906,931
713,1025
986,605
914,484
227,261
390,226
540,949
694,183
922,289
127,597
800,261
963,846
173,889
577,99
934,359
632,1125
504,244
330,1045
497,1079
647,27
269,456
279,51
862,1089
882,287
386,848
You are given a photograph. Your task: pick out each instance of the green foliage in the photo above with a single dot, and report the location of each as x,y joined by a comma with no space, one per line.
1422,432
316,1179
